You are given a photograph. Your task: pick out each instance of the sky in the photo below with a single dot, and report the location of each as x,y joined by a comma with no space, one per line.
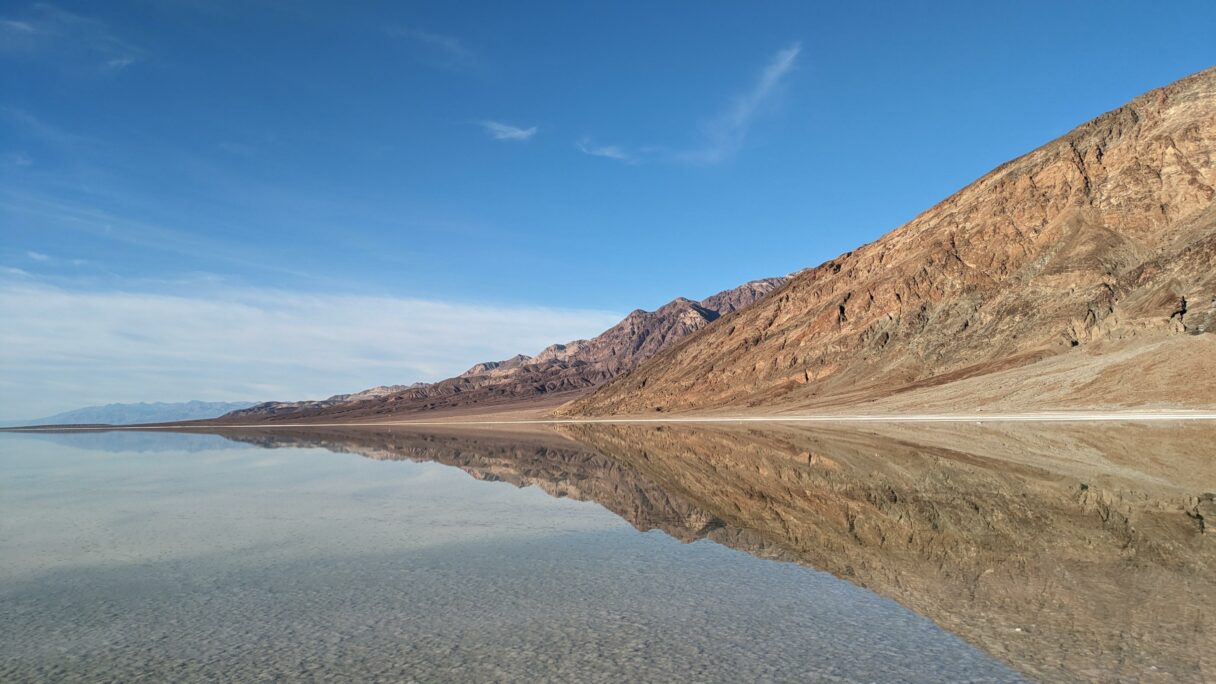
282,200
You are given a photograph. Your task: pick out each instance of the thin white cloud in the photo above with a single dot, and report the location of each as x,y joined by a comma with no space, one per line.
34,127
724,134
443,50
37,256
61,348
120,62
586,146
17,26
69,218
48,31
502,131
18,159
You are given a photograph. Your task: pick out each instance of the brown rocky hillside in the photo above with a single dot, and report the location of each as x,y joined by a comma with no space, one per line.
1082,274
561,370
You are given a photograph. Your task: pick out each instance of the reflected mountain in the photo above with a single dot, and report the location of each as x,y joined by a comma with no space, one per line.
118,440
1071,551
559,466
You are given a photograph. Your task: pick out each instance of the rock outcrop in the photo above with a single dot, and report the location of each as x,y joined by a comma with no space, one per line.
1091,260
295,408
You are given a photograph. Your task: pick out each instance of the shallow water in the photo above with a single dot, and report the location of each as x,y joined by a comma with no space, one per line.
600,554
187,561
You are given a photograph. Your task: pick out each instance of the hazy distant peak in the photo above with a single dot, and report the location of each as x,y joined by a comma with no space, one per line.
140,412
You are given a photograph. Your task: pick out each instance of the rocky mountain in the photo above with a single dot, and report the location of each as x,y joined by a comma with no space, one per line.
292,408
559,372
375,392
142,412
1082,274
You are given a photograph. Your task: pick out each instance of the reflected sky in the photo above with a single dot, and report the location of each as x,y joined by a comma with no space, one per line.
185,562
1071,552
91,508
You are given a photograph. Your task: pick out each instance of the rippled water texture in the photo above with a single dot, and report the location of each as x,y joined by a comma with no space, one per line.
610,553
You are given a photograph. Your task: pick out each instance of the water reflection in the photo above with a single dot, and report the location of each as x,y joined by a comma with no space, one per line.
1071,551
251,564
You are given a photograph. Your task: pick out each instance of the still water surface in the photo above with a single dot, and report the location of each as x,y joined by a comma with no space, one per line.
600,554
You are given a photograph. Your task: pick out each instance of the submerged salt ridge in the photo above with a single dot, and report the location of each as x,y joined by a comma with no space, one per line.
247,563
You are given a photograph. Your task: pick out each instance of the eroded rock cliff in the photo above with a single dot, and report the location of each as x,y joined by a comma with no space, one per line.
1084,270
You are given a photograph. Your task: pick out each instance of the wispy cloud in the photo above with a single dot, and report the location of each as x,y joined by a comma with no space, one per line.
48,260
16,26
586,146
17,159
726,132
502,131
119,62
45,30
68,218
64,347
443,50
722,135
35,127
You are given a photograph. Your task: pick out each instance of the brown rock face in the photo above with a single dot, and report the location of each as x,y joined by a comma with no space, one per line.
561,369
1091,259
291,408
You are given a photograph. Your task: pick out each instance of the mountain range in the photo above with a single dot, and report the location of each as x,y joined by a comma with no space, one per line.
555,375
142,412
1079,275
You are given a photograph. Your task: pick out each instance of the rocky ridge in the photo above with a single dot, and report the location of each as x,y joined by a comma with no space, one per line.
1080,254
290,408
561,370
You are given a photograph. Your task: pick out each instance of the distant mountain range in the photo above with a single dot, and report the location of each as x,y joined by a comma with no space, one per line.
131,414
558,373
1081,275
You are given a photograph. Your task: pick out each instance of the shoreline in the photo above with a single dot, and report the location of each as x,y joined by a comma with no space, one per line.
1046,417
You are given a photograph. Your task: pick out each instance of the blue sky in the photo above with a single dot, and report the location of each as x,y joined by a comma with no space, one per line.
531,171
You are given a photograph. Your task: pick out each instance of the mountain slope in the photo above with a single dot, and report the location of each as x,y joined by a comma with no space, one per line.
131,414
561,370
1091,260
289,408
